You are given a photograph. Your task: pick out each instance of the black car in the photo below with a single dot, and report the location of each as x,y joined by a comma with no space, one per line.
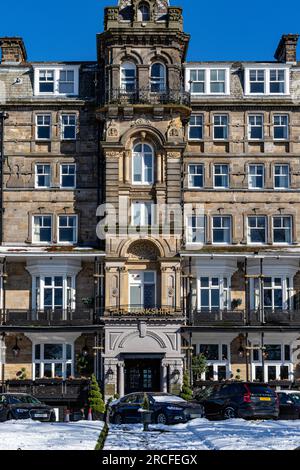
166,409
289,405
241,400
23,406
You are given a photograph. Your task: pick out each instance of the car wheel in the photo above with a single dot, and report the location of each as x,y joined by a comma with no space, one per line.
118,419
229,413
161,419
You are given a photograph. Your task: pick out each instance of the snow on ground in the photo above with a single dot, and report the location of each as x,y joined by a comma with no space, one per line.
201,434
33,435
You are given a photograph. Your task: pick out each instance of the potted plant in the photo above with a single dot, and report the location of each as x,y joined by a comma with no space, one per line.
96,402
199,366
146,414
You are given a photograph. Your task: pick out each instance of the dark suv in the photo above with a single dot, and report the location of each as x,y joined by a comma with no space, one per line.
240,400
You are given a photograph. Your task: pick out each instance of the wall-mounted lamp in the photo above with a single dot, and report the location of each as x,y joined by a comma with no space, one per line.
16,350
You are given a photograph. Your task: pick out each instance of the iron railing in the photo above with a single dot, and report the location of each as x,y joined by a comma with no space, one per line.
243,318
147,96
47,317
133,310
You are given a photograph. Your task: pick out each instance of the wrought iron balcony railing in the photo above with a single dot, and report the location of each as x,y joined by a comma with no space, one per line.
243,318
47,317
148,96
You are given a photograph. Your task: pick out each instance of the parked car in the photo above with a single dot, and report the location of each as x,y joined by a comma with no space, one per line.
241,400
166,409
289,404
23,406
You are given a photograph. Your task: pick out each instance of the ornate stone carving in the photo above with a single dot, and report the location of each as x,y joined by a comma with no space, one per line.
112,154
174,155
141,122
143,250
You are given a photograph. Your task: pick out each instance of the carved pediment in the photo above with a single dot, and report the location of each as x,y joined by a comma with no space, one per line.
143,250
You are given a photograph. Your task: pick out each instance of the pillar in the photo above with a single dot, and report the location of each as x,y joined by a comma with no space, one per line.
121,379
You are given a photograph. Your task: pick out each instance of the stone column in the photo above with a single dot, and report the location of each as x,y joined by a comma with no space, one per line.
164,378
121,379
127,166
158,168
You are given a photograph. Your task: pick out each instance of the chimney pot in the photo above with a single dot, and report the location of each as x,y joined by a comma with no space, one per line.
286,51
13,50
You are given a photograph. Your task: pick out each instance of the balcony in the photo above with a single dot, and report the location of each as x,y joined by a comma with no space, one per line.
235,318
57,317
120,96
141,312
50,389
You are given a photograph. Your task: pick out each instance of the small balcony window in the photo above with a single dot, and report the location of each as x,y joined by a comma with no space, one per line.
128,77
158,78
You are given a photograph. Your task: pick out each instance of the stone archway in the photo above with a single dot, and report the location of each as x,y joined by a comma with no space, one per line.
143,250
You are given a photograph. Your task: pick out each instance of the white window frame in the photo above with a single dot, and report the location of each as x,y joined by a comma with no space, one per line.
255,125
253,228
34,241
143,213
267,80
282,175
124,81
277,364
227,229
42,361
200,117
160,81
44,174
216,363
256,175
283,228
192,176
227,175
134,155
63,125
141,283
56,69
282,126
66,174
224,293
207,80
191,228
74,241
226,127
37,126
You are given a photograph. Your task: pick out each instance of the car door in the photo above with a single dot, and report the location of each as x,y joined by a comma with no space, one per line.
212,402
129,408
287,408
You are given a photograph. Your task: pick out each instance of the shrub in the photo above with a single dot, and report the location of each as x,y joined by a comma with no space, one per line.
96,401
186,391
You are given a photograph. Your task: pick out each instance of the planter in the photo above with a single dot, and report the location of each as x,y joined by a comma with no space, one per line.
146,416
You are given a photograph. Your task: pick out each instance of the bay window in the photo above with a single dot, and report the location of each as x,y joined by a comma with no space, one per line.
213,293
54,292
217,360
53,360
158,78
128,77
277,363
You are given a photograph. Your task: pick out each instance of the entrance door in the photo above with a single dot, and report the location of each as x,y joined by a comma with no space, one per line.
142,375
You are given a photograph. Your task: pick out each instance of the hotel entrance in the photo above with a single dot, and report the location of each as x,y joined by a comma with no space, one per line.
142,375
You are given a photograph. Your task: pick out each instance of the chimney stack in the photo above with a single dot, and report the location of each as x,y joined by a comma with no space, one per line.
287,49
13,50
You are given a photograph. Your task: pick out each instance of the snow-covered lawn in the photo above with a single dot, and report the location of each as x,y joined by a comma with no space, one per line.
201,434
33,435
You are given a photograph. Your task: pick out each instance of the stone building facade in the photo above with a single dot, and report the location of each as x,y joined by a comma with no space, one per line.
198,165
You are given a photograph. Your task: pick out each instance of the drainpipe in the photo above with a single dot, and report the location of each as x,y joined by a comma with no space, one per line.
3,116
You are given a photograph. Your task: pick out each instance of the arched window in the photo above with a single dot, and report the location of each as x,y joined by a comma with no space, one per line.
158,78
142,167
143,12
128,77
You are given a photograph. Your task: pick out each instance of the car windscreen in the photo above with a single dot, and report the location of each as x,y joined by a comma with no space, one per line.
16,399
256,389
167,399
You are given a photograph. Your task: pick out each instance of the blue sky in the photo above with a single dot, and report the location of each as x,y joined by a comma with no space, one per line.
220,30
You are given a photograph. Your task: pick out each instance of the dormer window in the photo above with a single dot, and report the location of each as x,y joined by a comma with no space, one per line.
267,80
56,80
143,12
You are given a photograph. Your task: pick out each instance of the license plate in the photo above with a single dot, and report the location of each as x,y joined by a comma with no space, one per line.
265,399
40,415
